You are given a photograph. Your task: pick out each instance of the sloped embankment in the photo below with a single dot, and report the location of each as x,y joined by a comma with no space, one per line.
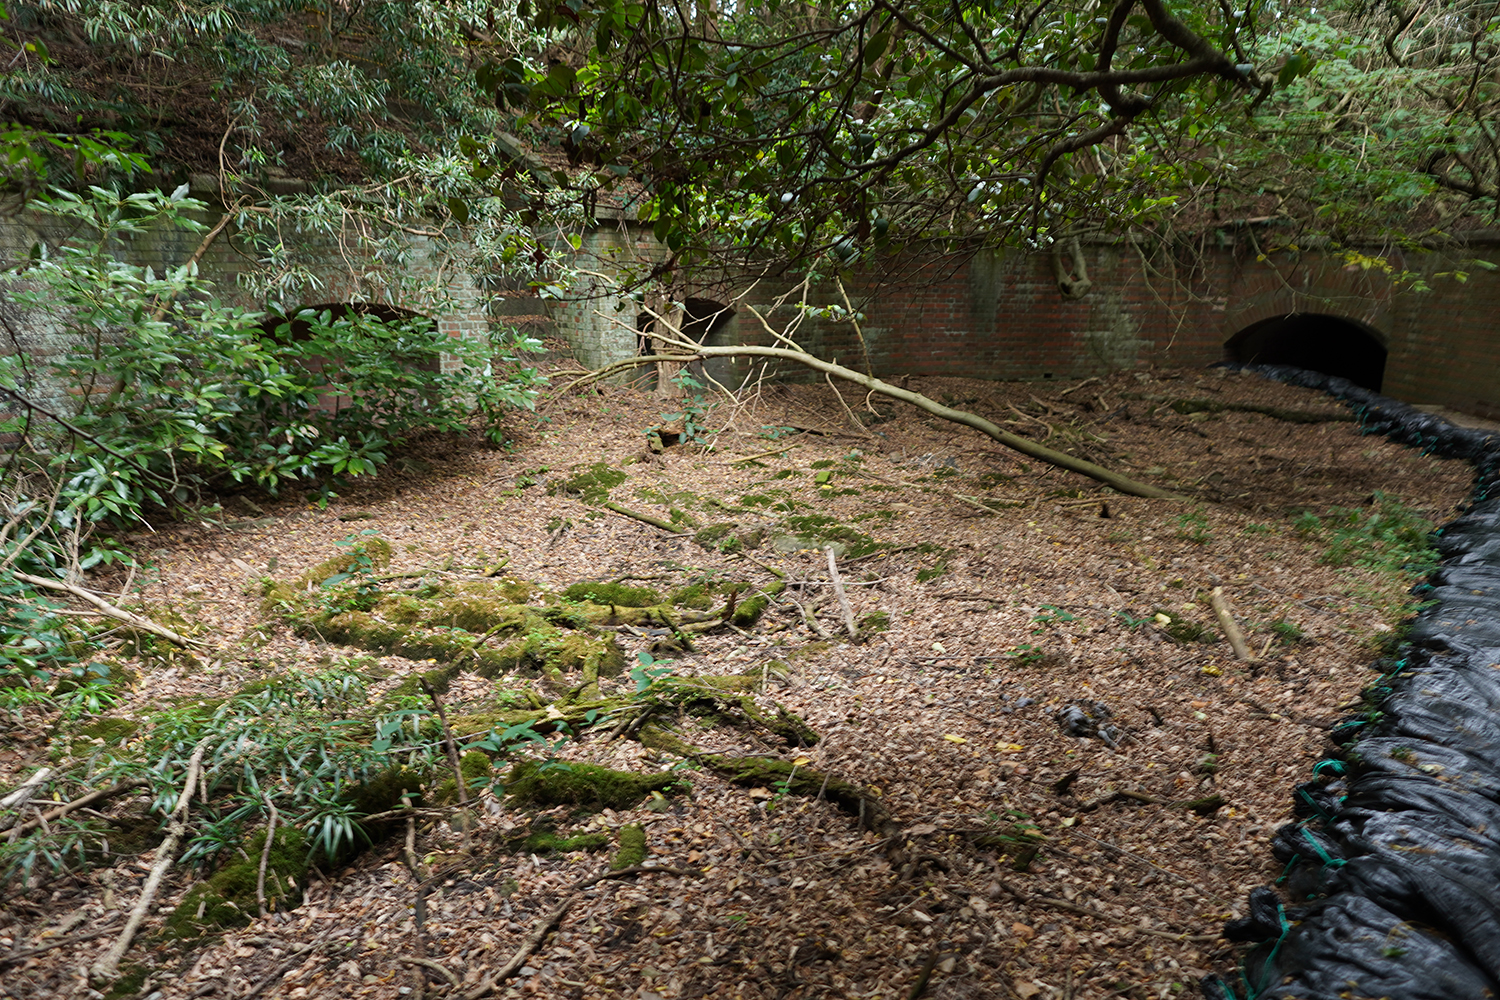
1393,861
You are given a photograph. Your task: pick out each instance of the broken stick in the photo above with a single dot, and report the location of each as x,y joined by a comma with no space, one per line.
120,614
838,588
1230,626
107,969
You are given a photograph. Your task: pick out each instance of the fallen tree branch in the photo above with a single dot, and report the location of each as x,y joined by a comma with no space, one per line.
22,794
120,614
437,967
265,857
838,589
650,519
689,352
78,803
107,968
1230,626
42,949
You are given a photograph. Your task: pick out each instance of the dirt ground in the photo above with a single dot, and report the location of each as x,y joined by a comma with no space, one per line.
1008,592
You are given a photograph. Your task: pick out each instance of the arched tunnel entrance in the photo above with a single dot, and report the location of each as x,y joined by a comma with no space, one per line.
1328,344
701,319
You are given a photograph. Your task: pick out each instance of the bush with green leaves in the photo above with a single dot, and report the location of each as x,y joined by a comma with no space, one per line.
173,391
164,392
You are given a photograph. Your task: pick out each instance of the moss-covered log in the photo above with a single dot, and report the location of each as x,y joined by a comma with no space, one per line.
555,783
769,772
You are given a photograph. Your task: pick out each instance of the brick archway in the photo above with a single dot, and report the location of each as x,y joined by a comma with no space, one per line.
1333,345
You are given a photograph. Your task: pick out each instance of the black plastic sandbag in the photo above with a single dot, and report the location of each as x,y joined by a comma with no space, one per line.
1346,947
1403,845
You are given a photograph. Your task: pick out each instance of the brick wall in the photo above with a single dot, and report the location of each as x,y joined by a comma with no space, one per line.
1002,316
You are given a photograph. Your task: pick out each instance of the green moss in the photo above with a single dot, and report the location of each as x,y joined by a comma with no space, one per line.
875,621
717,537
825,530
376,550
1183,629
587,785
616,594
477,771
591,484
390,789
698,596
549,842
632,850
111,731
131,981
228,898
748,611
439,680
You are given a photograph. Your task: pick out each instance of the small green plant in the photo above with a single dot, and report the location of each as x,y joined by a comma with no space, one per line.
1193,527
1180,628
695,408
932,572
875,621
1131,622
1049,615
1259,529
1027,654
1287,632
649,671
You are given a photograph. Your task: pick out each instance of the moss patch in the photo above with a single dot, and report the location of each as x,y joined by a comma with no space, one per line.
550,842
477,771
228,898
586,785
632,850
592,484
616,594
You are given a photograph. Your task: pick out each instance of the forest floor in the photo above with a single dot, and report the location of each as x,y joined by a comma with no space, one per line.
990,594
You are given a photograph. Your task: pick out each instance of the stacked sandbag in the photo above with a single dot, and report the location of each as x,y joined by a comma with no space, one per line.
1393,865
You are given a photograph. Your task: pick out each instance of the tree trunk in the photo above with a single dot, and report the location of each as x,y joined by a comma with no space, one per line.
666,328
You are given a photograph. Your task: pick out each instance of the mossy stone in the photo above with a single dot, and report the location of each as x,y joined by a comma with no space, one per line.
587,785
613,594
632,850
477,771
549,842
111,731
591,484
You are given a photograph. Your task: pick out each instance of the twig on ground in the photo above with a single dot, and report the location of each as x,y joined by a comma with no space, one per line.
62,942
275,975
811,621
552,918
134,620
107,968
838,589
22,794
1230,626
644,518
265,856
428,963
763,454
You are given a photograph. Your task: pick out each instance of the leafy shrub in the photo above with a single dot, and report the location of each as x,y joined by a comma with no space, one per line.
173,391
169,392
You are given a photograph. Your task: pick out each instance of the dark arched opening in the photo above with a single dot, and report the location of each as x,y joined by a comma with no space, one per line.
701,319
1327,344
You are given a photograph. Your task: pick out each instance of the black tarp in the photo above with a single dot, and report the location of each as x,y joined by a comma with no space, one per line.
1393,866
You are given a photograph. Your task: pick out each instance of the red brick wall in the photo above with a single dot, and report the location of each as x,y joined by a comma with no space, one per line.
1003,316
